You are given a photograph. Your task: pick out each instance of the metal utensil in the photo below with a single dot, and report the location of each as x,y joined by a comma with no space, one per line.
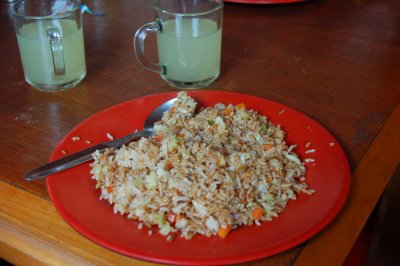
86,155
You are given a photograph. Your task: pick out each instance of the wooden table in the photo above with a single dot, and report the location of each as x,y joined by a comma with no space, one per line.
337,61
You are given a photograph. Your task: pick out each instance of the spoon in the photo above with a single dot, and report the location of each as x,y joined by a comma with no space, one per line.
86,155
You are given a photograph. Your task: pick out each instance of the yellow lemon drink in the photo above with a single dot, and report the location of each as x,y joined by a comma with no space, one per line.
190,50
36,53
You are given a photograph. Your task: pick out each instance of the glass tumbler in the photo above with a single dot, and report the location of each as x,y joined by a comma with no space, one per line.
50,41
189,34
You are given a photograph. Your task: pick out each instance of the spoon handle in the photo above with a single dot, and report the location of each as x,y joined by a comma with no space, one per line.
81,156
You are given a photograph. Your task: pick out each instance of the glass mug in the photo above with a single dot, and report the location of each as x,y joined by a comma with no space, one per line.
50,41
189,34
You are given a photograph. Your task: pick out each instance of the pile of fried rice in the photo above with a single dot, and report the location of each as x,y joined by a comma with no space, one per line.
204,173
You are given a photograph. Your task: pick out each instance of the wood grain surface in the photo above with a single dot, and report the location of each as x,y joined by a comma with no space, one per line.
336,61
369,180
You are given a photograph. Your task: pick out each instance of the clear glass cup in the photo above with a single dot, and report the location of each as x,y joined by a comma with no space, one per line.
50,41
189,34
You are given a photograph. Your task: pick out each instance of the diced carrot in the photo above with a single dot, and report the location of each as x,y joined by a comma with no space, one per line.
181,135
172,109
110,189
228,111
240,106
267,146
168,166
268,179
159,137
171,218
257,213
223,231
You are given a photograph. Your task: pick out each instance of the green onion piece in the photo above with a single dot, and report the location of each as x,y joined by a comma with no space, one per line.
264,128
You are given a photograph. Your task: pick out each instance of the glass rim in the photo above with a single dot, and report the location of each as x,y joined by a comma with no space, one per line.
207,12
54,16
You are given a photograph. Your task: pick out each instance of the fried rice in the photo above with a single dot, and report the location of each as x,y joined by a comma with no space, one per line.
204,173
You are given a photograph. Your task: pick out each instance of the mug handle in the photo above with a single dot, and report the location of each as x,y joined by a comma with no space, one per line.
56,51
138,41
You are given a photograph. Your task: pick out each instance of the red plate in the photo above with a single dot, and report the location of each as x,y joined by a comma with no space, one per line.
264,1
76,199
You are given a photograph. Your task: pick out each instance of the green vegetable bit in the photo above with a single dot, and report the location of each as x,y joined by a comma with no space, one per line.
264,128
